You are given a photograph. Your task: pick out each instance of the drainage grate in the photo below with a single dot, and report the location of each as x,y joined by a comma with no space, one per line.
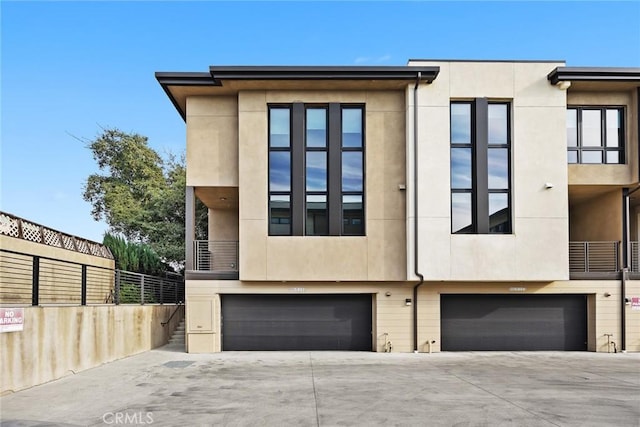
178,364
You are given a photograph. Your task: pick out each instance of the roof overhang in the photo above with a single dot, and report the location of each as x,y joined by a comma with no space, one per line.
593,75
222,80
427,74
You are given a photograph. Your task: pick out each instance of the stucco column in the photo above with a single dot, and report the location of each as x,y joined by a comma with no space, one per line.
190,226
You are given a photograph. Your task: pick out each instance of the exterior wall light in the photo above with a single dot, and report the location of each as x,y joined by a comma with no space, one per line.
607,294
407,302
548,185
563,85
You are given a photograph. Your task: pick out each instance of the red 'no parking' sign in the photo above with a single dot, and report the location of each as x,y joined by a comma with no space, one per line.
11,319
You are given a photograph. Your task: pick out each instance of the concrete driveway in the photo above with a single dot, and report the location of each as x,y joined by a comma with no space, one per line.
165,387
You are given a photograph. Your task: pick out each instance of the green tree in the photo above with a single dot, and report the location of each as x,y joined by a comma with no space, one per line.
134,257
140,195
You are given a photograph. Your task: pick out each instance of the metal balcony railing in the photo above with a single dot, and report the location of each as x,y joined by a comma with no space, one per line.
594,257
215,255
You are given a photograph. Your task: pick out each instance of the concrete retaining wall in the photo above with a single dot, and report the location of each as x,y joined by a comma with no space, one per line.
58,341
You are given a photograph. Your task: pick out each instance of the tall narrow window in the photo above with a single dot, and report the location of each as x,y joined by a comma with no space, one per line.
352,172
461,168
595,135
316,222
498,168
316,169
279,171
480,167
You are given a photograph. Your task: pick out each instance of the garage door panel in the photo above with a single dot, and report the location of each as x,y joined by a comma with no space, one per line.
289,328
296,322
513,322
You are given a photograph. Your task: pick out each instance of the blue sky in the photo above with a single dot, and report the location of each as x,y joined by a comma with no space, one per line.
70,68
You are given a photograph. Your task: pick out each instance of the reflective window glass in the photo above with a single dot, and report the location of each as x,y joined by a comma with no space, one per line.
613,157
572,156
316,169
280,171
613,128
352,215
498,168
461,213
280,213
279,127
460,123
591,128
591,156
461,168
352,172
317,223
572,128
316,127
352,127
497,123
499,215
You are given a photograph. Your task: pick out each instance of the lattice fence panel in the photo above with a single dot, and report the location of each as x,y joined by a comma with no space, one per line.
9,226
52,238
31,232
67,242
94,248
82,246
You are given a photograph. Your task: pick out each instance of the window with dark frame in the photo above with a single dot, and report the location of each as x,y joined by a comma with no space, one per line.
480,167
323,146
352,171
280,171
595,135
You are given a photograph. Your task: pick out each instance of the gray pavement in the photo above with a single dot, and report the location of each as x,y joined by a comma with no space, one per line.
165,387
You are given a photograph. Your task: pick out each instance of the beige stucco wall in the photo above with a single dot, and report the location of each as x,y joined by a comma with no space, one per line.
598,219
538,155
380,255
390,314
212,141
625,174
604,319
223,224
59,341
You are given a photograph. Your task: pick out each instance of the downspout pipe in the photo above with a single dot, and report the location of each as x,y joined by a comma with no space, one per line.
626,264
625,268
415,213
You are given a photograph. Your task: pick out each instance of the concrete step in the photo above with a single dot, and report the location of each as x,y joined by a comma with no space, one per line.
178,336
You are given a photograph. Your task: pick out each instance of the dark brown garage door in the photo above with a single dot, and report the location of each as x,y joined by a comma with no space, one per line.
296,322
513,322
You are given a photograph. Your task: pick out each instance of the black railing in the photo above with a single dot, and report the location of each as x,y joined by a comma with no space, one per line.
602,260
37,280
172,314
136,288
594,257
215,255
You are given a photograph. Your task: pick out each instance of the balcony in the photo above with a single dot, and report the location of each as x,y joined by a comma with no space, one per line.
600,260
214,260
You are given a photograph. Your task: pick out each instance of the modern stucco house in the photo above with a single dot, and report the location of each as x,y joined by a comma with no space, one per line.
439,206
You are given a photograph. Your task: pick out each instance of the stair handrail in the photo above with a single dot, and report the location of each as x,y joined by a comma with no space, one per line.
172,314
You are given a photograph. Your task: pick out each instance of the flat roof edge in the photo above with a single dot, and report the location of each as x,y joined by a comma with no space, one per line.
429,73
538,61
185,79
602,74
